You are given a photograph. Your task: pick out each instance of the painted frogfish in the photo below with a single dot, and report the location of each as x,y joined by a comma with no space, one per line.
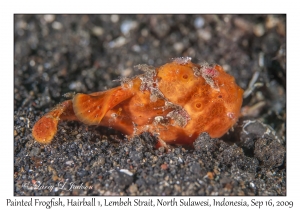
174,102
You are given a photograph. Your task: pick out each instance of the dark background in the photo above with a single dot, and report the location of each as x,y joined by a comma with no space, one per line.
57,54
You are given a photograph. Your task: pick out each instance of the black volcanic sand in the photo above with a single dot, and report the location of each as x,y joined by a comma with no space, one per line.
58,54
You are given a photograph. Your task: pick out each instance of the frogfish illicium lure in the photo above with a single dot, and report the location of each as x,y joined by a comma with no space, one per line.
175,102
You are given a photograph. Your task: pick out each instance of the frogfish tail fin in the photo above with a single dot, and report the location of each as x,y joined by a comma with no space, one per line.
45,128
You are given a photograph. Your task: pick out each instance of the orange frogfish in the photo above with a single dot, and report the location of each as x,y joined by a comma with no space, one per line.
175,102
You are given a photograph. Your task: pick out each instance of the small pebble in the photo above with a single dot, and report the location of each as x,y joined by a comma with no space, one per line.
49,18
199,22
164,166
57,25
98,31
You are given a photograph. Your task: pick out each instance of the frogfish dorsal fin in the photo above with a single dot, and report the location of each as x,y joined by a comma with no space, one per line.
91,108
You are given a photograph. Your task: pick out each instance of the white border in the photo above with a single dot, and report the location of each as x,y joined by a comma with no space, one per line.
154,6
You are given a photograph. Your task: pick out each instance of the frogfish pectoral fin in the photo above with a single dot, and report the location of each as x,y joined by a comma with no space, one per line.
90,109
45,128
